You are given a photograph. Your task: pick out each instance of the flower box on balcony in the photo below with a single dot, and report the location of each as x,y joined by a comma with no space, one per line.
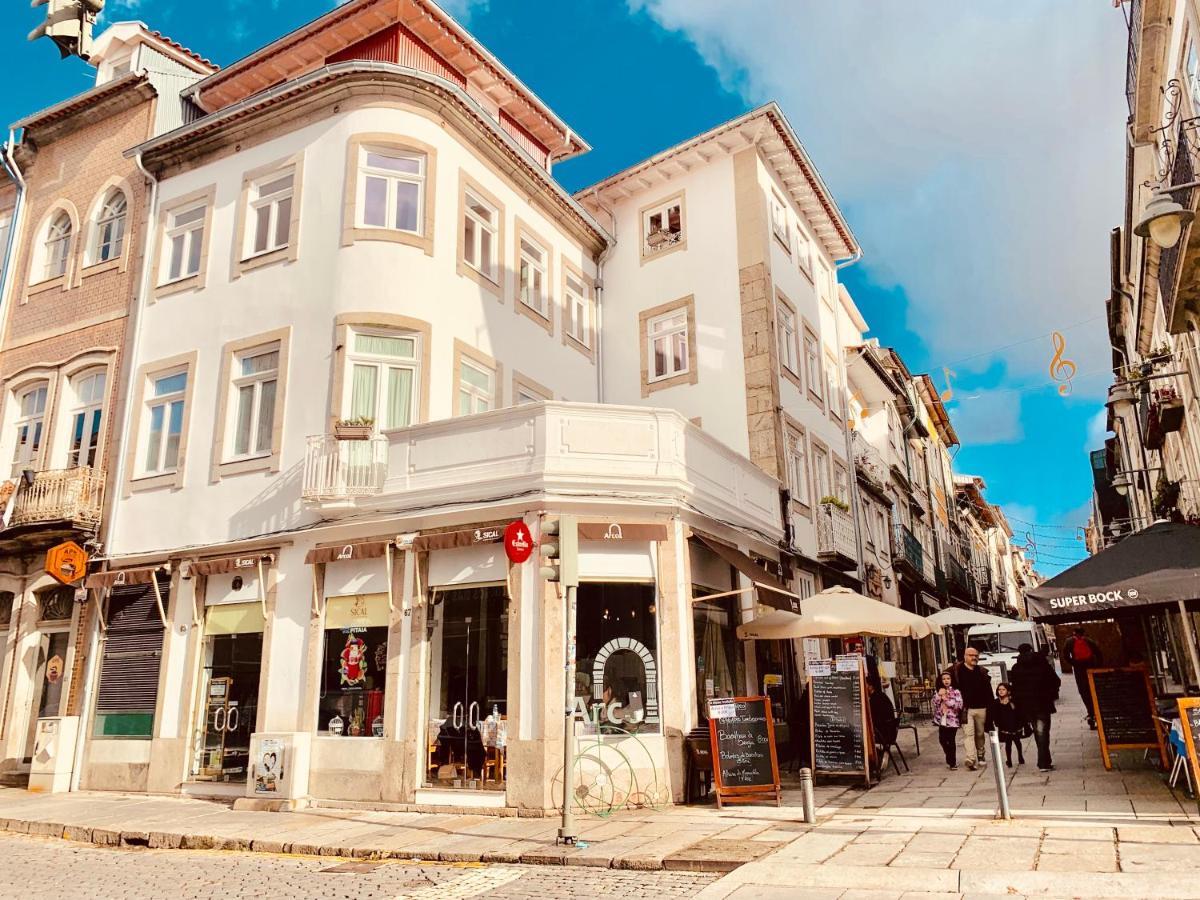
1170,409
353,429
1153,436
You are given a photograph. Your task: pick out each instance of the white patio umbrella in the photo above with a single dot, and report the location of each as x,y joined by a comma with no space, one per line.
838,612
956,615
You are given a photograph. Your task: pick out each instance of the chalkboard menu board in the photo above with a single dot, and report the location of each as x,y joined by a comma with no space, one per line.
1189,716
1126,717
839,723
745,767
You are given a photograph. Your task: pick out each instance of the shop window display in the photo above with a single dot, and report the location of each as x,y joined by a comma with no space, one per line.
353,677
720,666
617,652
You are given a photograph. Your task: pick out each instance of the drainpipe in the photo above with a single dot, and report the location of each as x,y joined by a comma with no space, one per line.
133,334
14,172
855,496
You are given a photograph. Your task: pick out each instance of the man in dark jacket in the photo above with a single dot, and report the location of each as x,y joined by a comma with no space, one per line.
975,685
1083,653
1035,686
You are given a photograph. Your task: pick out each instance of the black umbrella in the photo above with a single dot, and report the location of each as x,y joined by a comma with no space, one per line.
1156,566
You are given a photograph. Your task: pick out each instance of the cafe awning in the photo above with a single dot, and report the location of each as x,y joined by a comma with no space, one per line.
771,591
839,612
1157,566
956,615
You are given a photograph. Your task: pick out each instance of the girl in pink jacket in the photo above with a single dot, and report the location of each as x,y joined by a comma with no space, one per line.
947,715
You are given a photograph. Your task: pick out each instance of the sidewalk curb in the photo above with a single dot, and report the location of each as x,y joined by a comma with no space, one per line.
592,856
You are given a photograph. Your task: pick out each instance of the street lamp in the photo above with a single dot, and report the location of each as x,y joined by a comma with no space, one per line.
1120,398
1164,218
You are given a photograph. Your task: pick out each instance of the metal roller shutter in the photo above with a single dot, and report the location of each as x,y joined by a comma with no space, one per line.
132,649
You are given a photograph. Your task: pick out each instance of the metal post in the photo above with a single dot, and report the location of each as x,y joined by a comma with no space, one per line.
806,788
998,771
566,832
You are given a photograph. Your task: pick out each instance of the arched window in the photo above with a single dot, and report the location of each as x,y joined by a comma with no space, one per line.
110,228
86,418
30,427
58,246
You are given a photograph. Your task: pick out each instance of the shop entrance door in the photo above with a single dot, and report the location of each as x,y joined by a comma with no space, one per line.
48,677
468,684
227,708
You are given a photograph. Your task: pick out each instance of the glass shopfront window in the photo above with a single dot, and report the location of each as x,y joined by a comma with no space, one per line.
354,666
617,651
720,664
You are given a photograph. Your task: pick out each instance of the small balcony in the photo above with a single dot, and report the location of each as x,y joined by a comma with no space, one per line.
959,580
836,545
869,464
907,552
653,458
71,496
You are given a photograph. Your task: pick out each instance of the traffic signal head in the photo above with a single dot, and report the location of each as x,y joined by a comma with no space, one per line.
559,551
69,24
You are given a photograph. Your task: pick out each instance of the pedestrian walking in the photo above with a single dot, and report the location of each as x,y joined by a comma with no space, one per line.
1004,717
975,685
1083,653
947,715
1035,687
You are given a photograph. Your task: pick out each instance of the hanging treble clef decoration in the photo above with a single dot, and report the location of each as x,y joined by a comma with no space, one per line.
1062,369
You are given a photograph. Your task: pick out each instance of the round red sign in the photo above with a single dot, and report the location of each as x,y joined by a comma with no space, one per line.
518,543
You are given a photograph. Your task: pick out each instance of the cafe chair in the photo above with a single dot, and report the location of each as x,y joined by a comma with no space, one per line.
1178,750
903,724
885,751
698,779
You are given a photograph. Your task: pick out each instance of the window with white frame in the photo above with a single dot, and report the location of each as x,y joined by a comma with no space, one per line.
577,309
255,385
110,228
533,277
86,418
391,190
667,336
57,248
826,282
797,462
662,226
779,220
820,465
834,392
480,223
30,428
812,363
788,351
841,482
526,394
164,407
803,251
476,387
868,522
882,544
184,244
270,213
894,430
384,369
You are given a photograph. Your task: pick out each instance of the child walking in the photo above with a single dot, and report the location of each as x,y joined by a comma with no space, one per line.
1003,715
947,715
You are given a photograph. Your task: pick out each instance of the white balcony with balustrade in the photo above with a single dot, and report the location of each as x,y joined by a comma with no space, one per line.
582,453
836,543
72,496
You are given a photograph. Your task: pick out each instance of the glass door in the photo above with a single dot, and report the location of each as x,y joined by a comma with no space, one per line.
468,683
228,707
47,683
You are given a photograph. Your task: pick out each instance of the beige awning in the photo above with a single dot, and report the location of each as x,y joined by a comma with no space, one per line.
839,612
771,591
620,531
227,564
468,537
346,552
113,577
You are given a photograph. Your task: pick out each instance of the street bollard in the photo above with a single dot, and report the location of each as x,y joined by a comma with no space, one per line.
806,789
998,770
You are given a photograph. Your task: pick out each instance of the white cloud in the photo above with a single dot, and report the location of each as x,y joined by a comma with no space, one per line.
976,148
1097,431
987,417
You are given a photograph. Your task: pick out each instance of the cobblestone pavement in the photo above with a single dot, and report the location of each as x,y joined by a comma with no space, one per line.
43,867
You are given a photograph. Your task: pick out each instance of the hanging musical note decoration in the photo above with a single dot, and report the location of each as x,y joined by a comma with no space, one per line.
948,393
1062,369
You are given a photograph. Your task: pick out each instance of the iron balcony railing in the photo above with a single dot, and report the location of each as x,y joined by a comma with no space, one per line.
341,470
960,579
869,463
1182,171
61,495
835,533
907,549
1131,56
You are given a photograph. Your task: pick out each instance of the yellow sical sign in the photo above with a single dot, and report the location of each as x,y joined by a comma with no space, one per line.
67,562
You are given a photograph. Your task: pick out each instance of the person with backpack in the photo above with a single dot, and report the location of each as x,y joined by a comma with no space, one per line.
1083,654
1035,688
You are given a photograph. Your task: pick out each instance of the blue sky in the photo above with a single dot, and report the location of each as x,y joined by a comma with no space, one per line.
976,153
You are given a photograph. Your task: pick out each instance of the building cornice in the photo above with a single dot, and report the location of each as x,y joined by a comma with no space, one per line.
85,109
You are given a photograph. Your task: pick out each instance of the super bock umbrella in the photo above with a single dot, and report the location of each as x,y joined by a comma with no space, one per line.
837,612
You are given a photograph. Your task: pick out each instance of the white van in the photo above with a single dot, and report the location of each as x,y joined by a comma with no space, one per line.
997,644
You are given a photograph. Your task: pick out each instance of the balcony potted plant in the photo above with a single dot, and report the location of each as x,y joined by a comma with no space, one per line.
835,501
660,237
1170,408
358,428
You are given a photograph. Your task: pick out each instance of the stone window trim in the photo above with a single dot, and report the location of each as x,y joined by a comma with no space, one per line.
35,252
817,396
206,196
815,446
20,383
798,349
523,382
352,232
692,375
804,252
219,467
185,362
836,465
793,425
784,240
831,401
101,359
523,230
589,284
240,263
467,183
645,257
120,263
344,322
463,350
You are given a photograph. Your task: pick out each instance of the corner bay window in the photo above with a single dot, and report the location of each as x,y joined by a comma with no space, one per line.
86,418
270,213
391,190
354,666
165,408
480,222
255,383
384,370
30,425
617,650
668,337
